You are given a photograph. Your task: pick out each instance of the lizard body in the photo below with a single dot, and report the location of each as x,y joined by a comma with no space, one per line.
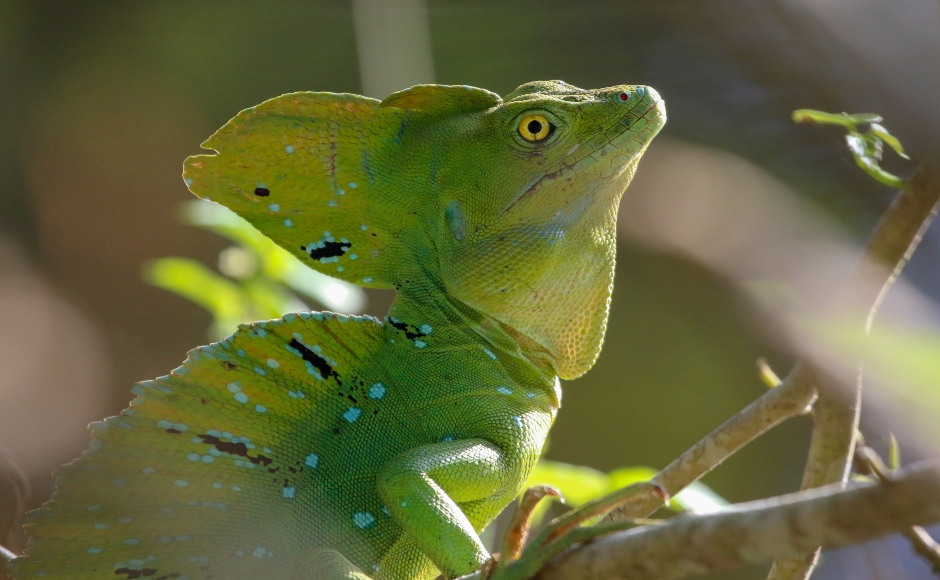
322,445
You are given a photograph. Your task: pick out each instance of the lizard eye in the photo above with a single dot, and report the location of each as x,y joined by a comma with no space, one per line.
535,128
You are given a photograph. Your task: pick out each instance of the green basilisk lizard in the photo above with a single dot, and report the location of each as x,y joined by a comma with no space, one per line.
322,445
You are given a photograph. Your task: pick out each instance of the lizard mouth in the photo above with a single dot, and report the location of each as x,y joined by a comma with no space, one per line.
568,167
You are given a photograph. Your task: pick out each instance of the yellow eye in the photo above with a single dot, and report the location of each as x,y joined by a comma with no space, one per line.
534,127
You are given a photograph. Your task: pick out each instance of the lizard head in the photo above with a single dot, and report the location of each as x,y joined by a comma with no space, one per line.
528,207
510,204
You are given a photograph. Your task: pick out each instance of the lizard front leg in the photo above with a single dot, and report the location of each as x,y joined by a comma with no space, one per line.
422,488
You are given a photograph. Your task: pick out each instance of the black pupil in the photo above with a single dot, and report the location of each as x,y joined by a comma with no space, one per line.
534,127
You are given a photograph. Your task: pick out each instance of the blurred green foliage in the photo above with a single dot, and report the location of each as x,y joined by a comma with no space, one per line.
579,485
258,280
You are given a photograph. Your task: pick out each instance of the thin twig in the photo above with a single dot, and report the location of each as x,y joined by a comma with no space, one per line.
925,546
835,417
515,537
757,532
791,398
868,462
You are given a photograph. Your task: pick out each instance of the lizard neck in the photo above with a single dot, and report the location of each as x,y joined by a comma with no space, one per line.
422,303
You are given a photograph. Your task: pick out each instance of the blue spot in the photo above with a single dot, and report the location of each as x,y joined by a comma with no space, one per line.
363,227
273,363
240,352
260,332
274,207
339,268
517,420
193,457
426,329
259,552
100,526
188,181
352,185
504,390
367,280
377,391
207,459
353,256
261,185
420,344
312,460
131,542
352,414
233,387
340,192
288,223
260,371
180,483
364,520
489,353
260,408
180,371
530,395
241,397
331,203
289,149
164,424
288,492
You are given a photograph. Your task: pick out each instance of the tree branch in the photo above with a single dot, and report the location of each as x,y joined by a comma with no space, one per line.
757,532
791,398
835,416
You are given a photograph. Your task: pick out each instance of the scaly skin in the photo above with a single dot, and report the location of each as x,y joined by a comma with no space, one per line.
325,446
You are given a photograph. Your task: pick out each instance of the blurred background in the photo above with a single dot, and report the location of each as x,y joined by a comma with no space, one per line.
737,231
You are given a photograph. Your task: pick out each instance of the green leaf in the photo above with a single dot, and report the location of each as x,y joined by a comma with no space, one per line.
888,138
581,484
699,498
868,161
846,120
577,483
224,299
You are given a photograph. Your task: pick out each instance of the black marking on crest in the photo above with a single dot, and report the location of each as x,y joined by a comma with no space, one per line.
239,449
411,332
329,250
318,362
262,192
